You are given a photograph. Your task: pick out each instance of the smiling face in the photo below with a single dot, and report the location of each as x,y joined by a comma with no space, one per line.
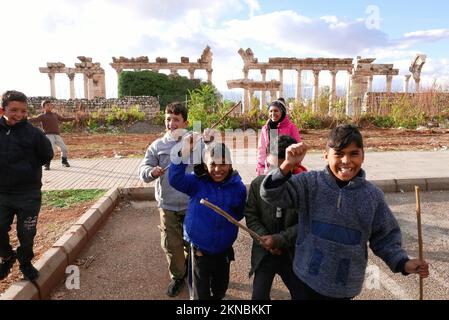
15,112
175,121
346,163
274,113
218,170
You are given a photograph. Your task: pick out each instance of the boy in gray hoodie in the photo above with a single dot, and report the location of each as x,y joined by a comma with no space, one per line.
172,203
340,213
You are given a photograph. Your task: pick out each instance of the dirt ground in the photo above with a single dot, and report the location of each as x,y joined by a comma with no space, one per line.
52,223
82,145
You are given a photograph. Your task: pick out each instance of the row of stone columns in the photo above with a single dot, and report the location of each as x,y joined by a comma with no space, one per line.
88,85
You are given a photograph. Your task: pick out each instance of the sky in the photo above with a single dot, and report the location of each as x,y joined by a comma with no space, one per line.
37,32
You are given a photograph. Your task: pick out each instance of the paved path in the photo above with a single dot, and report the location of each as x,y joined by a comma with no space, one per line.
108,173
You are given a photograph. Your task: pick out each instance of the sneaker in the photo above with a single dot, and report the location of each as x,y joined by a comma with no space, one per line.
175,287
29,272
6,265
65,163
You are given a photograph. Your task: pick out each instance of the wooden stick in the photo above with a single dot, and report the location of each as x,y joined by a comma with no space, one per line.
420,241
230,219
226,114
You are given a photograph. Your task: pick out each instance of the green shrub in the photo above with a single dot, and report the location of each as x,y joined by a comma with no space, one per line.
167,88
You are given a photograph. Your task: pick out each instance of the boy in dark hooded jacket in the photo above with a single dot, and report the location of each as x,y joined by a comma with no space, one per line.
23,151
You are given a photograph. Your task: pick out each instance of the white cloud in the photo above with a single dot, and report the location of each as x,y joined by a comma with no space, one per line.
61,30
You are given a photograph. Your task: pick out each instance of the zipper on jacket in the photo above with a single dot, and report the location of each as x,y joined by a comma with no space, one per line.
339,200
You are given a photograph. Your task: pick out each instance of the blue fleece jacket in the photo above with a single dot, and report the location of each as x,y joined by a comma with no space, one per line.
206,229
335,226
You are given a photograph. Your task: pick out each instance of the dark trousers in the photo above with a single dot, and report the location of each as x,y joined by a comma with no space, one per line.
267,270
25,206
210,274
307,293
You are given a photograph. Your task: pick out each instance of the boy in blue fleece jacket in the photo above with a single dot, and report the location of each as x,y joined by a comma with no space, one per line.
340,213
210,235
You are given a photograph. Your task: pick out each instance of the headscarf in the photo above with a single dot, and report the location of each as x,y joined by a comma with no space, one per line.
281,106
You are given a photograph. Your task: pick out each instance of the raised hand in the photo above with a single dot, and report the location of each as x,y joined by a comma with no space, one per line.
208,135
294,155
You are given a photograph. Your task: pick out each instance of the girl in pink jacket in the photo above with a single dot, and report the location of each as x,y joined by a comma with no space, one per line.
279,120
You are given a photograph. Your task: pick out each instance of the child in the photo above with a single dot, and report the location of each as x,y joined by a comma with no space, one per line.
340,212
23,151
278,228
278,124
211,236
50,124
172,203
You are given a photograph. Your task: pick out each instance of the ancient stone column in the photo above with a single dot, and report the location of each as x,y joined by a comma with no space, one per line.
209,75
333,97
90,81
298,86
417,84
263,93
86,86
245,92
173,71
72,85
406,82
52,84
251,95
281,79
370,84
389,81
349,104
316,83
192,73
273,95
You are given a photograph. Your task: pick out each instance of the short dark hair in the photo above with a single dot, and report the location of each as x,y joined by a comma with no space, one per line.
13,95
343,135
43,103
176,108
280,144
220,151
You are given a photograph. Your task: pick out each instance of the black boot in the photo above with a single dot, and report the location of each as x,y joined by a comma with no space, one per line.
29,271
65,163
6,265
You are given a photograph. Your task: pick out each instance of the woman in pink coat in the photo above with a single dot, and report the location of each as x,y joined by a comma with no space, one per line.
279,120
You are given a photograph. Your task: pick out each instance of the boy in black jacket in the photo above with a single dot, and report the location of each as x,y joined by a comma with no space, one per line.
23,151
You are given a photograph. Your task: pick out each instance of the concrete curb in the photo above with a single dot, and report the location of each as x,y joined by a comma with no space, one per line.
52,265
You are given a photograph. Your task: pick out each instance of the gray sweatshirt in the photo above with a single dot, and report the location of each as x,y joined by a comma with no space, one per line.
158,154
335,226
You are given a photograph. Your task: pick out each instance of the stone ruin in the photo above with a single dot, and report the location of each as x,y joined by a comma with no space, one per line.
360,78
142,63
93,73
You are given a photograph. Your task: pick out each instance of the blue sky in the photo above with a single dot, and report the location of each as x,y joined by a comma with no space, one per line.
59,31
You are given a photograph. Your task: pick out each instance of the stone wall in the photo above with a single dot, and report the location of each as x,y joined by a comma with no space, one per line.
147,104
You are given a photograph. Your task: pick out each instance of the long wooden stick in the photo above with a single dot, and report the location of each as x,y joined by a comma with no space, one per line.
230,218
226,114
420,241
